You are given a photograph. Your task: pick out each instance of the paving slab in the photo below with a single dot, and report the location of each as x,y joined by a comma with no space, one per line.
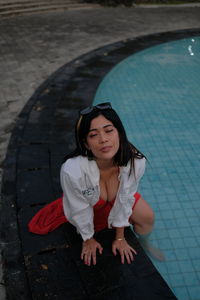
32,49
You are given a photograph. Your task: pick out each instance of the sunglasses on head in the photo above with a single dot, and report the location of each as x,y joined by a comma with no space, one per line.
89,109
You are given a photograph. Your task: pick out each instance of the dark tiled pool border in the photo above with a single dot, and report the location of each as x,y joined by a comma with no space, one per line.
45,129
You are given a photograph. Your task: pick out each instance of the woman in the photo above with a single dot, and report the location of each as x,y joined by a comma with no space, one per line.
100,180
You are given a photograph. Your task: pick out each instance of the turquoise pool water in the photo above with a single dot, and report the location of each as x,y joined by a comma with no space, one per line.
157,95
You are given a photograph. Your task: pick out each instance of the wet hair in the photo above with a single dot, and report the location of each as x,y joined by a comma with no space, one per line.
127,151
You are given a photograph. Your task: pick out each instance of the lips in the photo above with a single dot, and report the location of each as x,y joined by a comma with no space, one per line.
106,149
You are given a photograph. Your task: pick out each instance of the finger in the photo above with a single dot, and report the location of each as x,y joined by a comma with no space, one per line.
85,259
114,251
133,250
122,258
94,258
89,260
131,256
100,249
83,254
127,258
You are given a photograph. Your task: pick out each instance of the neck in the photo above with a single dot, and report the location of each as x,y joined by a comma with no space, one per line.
105,164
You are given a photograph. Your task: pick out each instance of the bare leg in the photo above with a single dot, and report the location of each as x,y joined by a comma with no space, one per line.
142,219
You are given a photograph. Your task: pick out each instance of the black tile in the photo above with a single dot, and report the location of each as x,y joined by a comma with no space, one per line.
34,186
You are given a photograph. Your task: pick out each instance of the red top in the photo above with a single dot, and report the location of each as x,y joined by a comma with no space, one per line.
101,212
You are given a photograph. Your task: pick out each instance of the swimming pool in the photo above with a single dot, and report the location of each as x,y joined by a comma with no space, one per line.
157,95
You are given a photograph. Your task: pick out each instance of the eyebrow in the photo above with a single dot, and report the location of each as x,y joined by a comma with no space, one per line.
105,126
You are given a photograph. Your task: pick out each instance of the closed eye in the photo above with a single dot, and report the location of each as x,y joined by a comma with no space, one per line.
110,130
93,135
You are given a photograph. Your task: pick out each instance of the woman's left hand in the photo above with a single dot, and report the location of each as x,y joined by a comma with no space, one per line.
124,250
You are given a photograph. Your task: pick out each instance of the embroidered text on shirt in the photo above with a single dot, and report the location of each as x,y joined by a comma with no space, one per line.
88,192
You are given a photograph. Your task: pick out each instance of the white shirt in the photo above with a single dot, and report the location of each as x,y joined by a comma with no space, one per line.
81,191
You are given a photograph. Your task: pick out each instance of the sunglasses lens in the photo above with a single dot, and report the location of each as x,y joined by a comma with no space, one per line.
104,105
100,106
86,110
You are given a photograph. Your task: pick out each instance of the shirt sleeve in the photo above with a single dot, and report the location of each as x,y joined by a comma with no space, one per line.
77,209
139,168
122,210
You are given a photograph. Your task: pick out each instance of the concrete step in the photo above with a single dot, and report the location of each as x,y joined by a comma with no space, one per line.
30,4
22,7
12,2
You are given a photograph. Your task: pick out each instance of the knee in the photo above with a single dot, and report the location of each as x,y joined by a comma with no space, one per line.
143,215
149,218
146,223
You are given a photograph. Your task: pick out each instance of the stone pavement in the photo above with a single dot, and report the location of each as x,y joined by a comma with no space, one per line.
33,47
30,7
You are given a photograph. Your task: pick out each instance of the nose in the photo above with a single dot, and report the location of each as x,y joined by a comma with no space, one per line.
102,138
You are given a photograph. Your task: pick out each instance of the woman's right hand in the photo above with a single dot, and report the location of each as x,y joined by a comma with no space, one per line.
88,253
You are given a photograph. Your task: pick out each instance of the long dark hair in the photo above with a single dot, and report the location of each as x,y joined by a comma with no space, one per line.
127,151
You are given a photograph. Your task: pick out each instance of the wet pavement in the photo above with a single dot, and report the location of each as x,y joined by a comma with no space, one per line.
32,49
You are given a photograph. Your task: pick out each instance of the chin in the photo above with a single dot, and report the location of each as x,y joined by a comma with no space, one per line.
106,156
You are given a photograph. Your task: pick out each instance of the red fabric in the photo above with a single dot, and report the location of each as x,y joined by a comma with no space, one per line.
137,197
48,218
101,212
52,216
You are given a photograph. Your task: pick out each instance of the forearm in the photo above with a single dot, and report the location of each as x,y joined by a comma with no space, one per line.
119,234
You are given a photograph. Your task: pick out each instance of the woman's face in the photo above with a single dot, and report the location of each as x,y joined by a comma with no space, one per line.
102,139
